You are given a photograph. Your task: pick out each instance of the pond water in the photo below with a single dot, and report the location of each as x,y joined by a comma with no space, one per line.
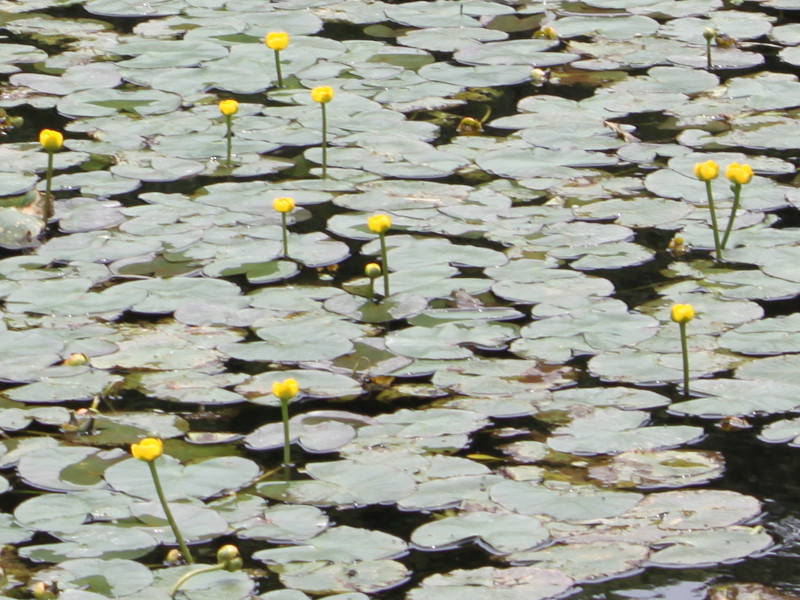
508,415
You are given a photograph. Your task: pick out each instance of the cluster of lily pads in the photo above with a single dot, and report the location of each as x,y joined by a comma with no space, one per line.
204,294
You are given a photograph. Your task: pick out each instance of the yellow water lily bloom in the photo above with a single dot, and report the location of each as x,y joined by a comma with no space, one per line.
682,313
739,174
51,140
373,270
706,171
286,390
322,94
277,40
148,449
283,205
228,107
379,223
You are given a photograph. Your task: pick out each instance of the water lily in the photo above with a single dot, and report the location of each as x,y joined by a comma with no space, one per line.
51,141
738,175
682,314
284,206
323,94
286,391
148,450
380,224
277,41
707,172
229,108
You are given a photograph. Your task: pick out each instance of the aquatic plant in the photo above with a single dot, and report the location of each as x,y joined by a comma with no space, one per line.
148,450
373,271
380,224
284,206
323,94
709,34
738,175
707,172
286,391
228,559
682,314
51,141
277,41
229,108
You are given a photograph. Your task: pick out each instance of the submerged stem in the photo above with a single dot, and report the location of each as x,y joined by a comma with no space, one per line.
186,576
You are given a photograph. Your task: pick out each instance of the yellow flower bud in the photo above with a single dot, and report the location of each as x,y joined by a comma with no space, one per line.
470,126
51,140
277,40
283,205
706,171
546,33
174,557
379,223
229,558
228,107
709,33
682,313
739,174
148,449
322,94
286,390
76,359
373,270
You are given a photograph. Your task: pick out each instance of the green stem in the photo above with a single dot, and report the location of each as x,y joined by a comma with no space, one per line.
371,291
278,67
186,576
324,142
48,201
229,121
49,173
287,442
714,225
385,266
285,235
159,490
737,193
685,350
709,66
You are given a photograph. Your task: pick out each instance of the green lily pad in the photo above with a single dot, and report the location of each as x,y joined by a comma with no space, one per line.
499,534
515,583
115,577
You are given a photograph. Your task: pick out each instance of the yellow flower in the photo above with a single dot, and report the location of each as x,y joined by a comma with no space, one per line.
547,33
322,94
277,40
51,140
286,390
373,270
283,205
706,171
379,223
228,107
739,174
682,313
148,449
76,359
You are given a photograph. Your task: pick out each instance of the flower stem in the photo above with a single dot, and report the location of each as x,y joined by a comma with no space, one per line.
685,351
737,194
278,67
385,265
49,173
709,66
229,121
159,490
285,235
287,442
186,576
324,142
714,225
371,291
